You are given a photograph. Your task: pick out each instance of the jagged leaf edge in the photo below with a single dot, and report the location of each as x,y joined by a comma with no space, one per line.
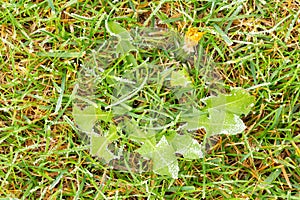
159,154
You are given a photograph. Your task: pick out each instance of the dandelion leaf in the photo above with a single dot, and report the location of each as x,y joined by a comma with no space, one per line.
186,146
124,46
135,133
223,113
238,102
86,118
163,157
99,147
117,29
179,78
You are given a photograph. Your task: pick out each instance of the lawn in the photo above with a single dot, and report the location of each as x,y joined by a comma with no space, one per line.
254,45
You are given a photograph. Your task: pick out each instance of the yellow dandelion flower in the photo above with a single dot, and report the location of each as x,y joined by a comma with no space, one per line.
191,39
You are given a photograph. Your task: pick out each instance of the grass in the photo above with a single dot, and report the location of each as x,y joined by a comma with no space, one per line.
255,45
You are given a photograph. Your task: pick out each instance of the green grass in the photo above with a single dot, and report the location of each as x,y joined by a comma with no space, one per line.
41,47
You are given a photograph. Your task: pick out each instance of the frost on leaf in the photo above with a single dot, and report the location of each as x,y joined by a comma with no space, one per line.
99,147
116,30
179,78
86,118
145,126
135,133
186,146
220,122
222,115
238,102
124,45
163,157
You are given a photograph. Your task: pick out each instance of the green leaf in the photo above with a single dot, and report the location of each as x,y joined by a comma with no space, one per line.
223,111
121,109
131,59
124,46
99,146
104,116
117,30
194,119
218,122
186,146
238,102
147,149
163,157
86,118
112,133
179,78
135,133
